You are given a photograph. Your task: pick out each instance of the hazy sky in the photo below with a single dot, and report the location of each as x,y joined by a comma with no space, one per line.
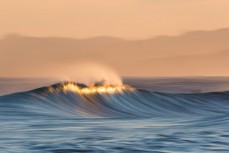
132,19
198,45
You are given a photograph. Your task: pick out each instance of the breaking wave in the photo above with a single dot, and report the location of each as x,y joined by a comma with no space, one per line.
126,103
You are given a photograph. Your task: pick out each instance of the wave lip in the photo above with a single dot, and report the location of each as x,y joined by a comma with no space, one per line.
96,88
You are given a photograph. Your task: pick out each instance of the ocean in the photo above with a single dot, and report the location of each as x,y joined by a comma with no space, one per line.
160,115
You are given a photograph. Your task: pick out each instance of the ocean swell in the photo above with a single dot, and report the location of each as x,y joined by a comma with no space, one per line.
126,104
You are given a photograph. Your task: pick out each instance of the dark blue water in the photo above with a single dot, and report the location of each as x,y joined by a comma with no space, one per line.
39,121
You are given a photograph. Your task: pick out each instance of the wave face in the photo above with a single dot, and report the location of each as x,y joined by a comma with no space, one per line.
126,104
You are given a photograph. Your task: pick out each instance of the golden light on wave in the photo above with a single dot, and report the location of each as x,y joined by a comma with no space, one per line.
96,89
101,89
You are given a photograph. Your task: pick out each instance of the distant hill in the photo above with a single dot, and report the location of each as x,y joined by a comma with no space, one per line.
193,53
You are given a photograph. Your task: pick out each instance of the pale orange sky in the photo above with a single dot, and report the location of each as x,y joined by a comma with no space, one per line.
195,42
132,19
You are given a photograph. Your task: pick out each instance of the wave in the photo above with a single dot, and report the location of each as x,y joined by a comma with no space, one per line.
56,101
